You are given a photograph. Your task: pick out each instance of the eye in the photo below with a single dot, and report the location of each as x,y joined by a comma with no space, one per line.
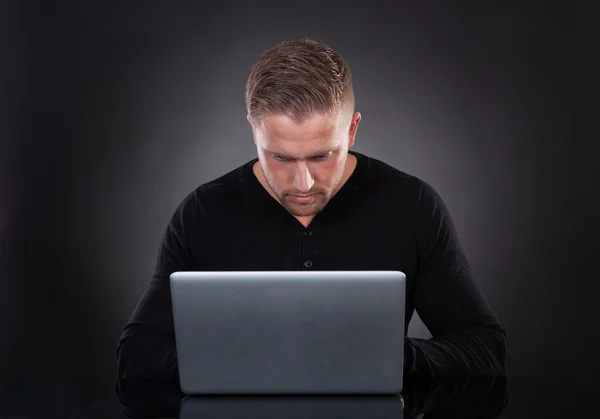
279,158
321,157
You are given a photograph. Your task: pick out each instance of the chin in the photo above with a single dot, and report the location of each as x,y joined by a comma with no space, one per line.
305,211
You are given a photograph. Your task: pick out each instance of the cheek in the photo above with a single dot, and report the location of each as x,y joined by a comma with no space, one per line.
327,168
276,170
325,172
336,164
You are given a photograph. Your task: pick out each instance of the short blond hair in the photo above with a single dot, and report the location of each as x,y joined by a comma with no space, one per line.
297,79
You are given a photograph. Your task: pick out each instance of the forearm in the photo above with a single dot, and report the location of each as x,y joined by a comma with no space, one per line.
148,378
147,355
472,396
474,350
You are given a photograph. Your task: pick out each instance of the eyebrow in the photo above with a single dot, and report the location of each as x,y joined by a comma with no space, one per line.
314,155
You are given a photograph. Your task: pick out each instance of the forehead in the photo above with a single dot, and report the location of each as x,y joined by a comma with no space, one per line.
319,128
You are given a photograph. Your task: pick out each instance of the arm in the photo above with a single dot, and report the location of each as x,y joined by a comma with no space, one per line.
471,396
467,338
146,350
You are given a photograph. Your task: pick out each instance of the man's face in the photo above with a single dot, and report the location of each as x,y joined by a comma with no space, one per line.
303,163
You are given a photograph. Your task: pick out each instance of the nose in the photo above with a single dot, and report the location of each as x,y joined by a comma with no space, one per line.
303,180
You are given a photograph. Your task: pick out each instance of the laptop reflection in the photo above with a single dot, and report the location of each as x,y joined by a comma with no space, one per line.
292,407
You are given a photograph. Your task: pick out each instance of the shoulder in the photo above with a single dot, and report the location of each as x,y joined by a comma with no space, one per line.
212,197
413,197
395,182
402,192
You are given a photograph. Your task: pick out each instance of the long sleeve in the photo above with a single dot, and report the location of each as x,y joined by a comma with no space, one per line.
470,396
146,350
467,337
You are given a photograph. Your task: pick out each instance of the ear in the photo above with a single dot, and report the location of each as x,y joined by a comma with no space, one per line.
353,127
252,126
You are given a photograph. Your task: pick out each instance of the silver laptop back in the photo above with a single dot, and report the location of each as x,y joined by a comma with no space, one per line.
290,332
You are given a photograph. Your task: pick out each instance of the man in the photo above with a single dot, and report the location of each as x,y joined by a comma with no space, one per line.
307,202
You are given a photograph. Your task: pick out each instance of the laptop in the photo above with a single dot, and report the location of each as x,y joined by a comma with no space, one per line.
289,332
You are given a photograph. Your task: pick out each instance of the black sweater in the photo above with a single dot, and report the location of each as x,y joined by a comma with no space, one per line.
381,219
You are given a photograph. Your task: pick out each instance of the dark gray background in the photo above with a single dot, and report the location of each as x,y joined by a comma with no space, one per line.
112,113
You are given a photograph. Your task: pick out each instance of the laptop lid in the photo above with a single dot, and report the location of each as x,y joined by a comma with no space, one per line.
289,332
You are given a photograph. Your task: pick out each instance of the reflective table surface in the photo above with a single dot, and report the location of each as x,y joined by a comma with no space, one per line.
465,397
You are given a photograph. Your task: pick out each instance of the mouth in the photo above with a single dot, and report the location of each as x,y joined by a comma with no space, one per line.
302,199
